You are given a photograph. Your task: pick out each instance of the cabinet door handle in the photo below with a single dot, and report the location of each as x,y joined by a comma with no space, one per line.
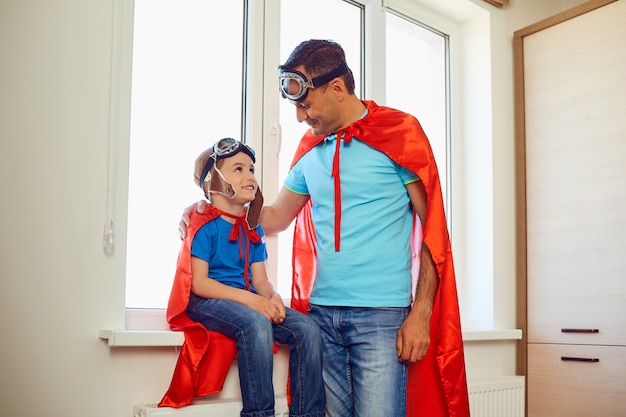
572,359
580,331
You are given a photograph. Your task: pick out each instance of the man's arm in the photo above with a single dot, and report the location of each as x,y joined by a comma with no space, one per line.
414,335
278,216
200,206
274,218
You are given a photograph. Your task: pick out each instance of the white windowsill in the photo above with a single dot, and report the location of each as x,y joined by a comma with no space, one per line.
146,338
481,335
139,338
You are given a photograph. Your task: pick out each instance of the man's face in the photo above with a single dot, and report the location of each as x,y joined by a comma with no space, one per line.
318,109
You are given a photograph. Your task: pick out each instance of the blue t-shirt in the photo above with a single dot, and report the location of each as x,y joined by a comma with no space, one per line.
373,267
211,244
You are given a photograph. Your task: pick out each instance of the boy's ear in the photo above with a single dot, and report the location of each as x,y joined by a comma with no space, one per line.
219,185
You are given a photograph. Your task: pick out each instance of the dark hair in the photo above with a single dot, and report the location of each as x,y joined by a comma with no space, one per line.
319,57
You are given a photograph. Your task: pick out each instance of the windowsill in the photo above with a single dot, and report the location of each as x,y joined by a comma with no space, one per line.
141,338
484,335
151,338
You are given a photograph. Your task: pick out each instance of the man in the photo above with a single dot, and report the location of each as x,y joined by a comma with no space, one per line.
363,186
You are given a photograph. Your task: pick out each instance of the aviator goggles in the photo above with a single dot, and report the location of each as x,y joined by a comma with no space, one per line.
294,85
223,149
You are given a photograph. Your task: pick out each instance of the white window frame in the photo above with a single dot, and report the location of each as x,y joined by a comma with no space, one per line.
264,26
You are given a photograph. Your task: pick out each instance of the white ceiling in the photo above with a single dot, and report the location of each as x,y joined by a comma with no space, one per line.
457,10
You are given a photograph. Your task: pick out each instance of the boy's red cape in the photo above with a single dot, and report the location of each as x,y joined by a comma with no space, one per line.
437,384
206,356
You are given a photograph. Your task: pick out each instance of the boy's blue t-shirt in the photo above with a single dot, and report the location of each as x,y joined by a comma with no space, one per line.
373,267
211,244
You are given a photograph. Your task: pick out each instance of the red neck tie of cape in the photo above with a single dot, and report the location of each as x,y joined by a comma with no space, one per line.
346,136
235,235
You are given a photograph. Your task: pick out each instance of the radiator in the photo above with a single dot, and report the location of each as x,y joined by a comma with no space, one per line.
501,396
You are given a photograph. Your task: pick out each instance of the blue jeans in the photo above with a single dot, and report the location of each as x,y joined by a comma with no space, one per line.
254,335
362,374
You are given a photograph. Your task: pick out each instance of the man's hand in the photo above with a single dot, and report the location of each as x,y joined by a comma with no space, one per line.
413,338
414,335
200,207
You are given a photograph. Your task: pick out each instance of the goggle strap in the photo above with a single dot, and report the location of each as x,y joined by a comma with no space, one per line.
207,167
326,78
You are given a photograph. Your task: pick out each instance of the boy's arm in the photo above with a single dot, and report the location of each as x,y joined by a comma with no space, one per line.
204,286
266,289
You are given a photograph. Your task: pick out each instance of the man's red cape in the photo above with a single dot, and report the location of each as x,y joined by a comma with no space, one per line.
437,384
206,356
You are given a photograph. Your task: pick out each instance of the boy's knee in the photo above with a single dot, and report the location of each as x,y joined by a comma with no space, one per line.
310,330
260,327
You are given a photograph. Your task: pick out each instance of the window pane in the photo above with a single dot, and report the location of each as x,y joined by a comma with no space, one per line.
341,23
186,94
416,81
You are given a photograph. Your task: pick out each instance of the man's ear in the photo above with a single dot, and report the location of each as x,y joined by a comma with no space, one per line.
338,87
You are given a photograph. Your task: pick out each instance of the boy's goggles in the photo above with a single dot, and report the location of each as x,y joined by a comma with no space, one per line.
294,85
223,149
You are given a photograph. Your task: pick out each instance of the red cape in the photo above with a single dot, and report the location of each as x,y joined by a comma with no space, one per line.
205,356
437,384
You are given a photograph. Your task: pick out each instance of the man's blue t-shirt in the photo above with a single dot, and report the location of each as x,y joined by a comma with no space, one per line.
373,267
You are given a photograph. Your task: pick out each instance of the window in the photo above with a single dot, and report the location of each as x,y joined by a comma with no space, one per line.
342,25
187,92
417,81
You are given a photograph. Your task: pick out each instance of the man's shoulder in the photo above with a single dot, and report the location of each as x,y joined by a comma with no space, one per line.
390,113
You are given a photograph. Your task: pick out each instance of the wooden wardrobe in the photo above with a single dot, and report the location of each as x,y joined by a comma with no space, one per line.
570,75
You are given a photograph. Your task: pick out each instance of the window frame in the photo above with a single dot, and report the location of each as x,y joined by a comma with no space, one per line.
262,29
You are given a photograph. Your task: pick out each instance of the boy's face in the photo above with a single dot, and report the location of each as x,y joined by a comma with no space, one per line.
238,170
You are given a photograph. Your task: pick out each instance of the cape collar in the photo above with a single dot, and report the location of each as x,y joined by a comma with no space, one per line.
250,235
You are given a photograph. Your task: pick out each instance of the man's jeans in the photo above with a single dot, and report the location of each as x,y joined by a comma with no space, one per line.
362,374
255,335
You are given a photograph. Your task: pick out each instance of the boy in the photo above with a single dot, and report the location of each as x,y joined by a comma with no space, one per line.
225,289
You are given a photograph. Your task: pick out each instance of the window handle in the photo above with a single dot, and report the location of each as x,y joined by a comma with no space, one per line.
277,131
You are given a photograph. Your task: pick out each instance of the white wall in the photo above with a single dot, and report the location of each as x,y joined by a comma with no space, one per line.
58,288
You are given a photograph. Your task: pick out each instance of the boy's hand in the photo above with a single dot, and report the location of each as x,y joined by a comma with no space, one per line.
200,207
266,307
278,304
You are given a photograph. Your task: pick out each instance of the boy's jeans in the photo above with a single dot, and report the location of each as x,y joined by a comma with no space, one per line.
255,335
362,373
